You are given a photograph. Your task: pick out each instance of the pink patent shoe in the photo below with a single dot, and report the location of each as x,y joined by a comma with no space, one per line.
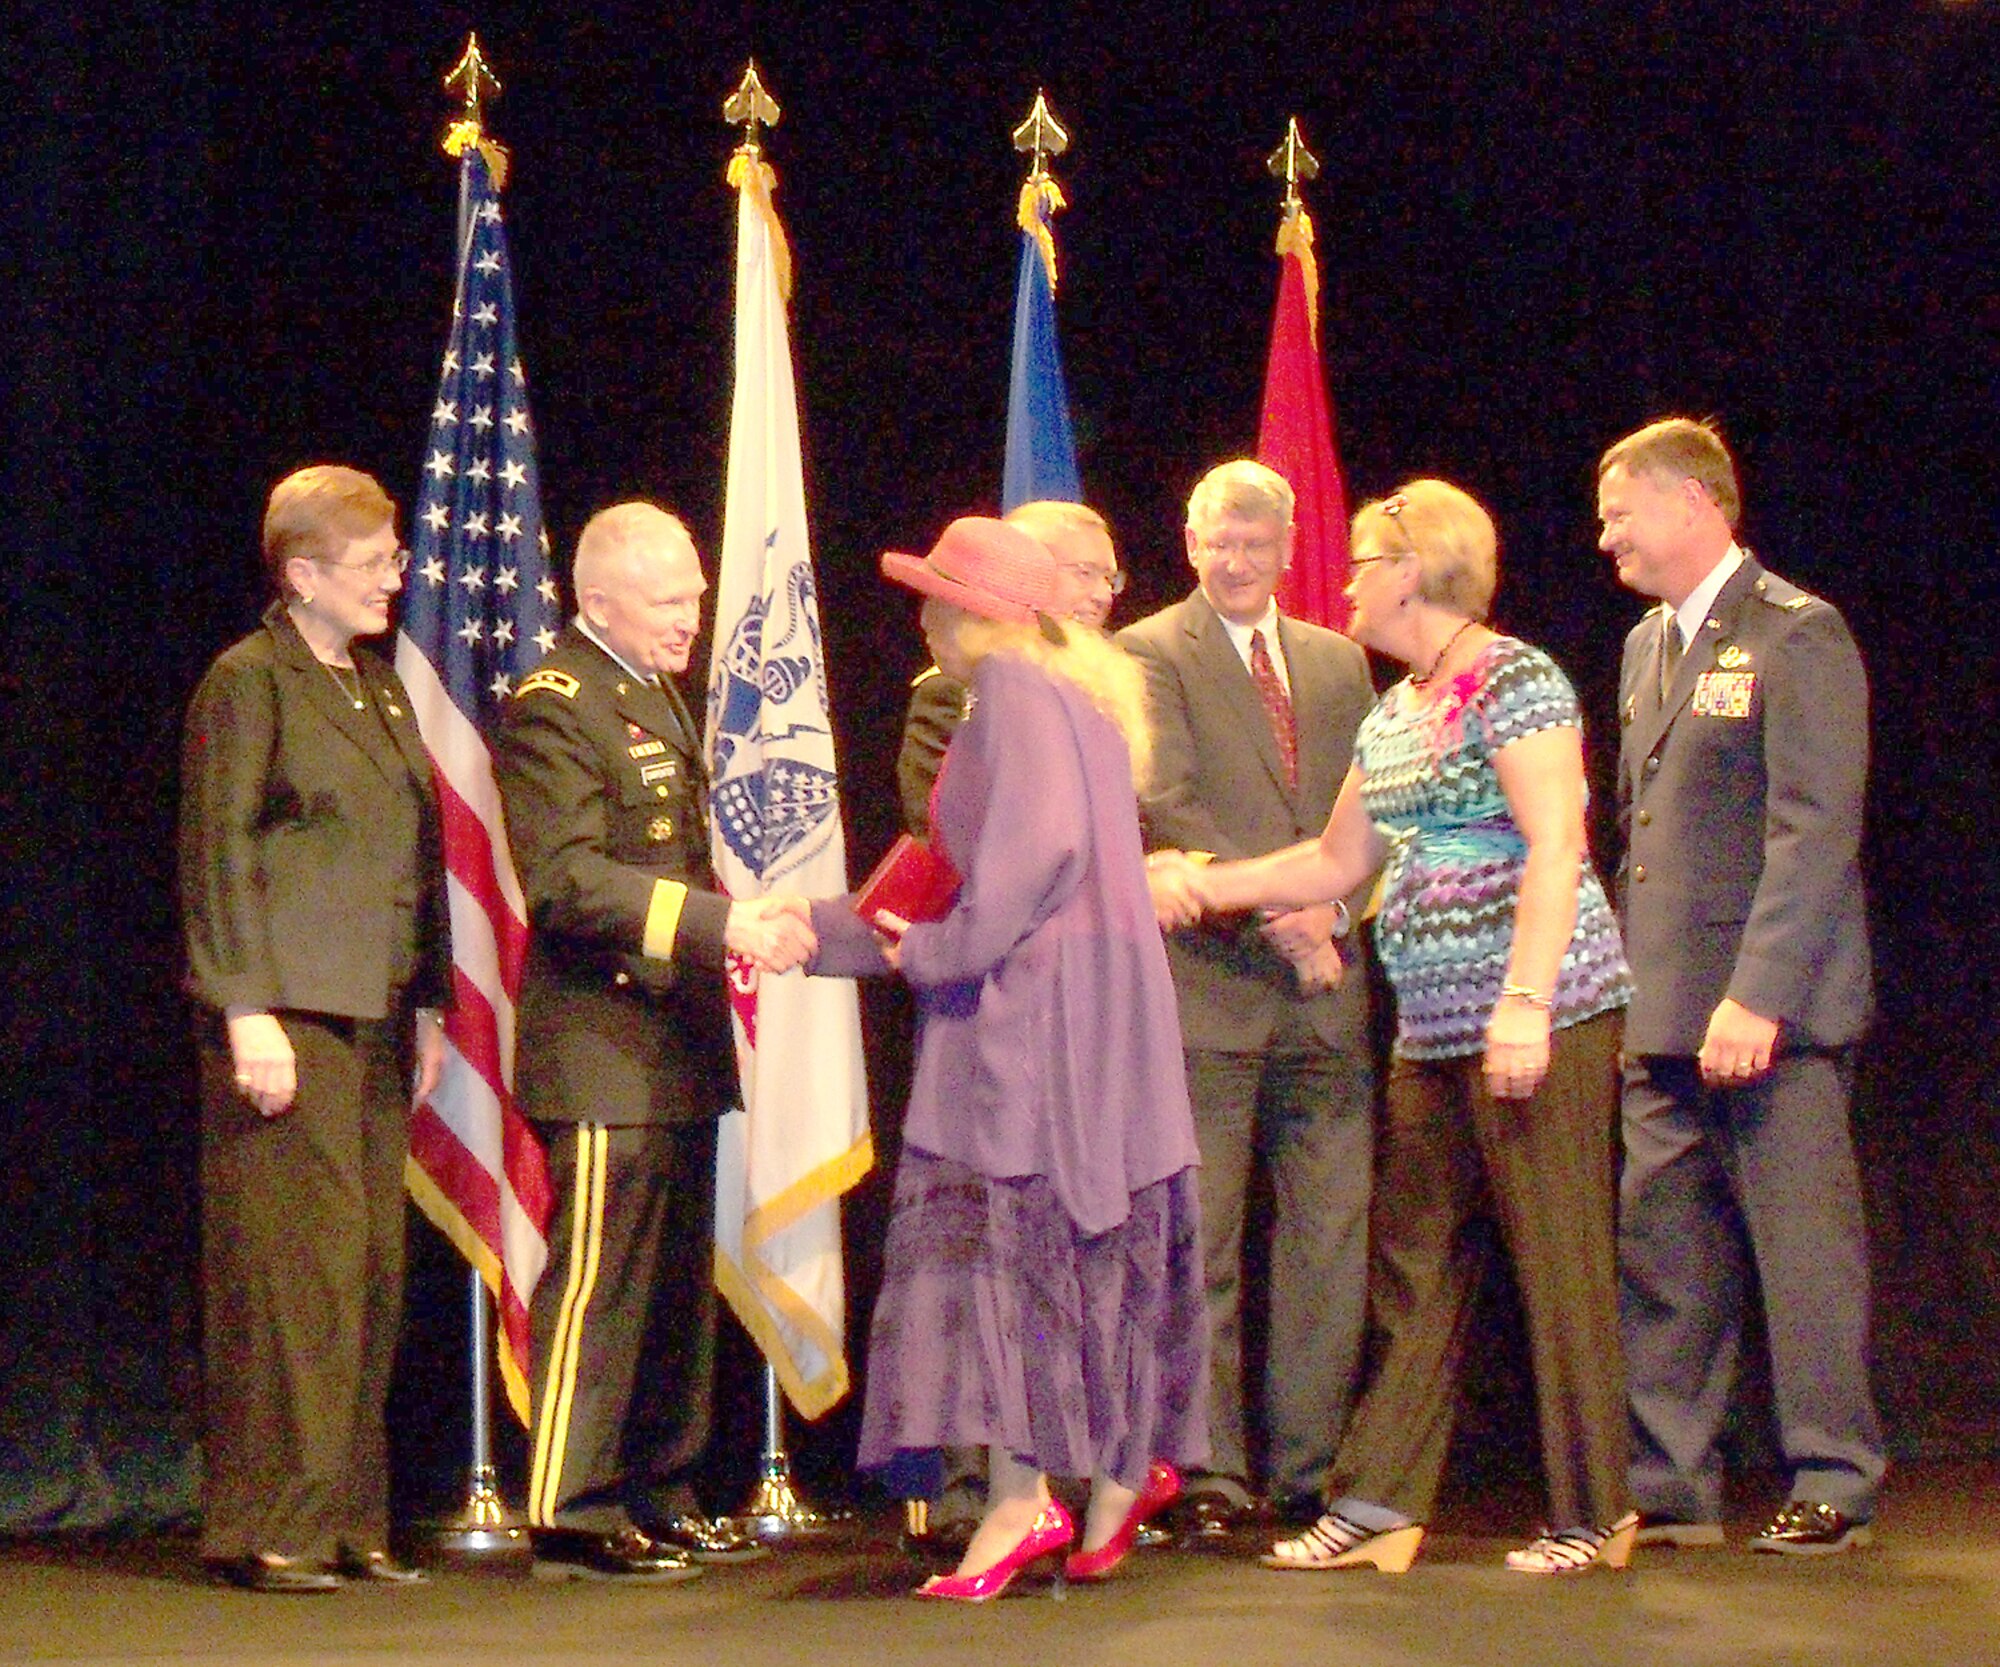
1048,1535
1162,1487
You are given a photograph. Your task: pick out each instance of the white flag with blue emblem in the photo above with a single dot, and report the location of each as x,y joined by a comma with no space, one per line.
801,1137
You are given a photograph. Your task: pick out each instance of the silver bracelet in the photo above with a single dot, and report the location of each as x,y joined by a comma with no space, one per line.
1527,995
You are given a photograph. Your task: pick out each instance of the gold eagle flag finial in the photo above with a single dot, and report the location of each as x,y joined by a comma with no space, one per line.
1041,136
472,70
749,108
1292,162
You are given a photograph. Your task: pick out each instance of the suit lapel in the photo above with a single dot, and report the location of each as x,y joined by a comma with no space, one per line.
394,702
658,710
317,686
1699,656
661,711
1219,667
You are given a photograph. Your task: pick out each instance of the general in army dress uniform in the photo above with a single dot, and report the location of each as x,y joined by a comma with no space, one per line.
625,1059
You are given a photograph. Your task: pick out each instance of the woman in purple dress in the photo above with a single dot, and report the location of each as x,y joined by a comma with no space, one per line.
1042,1290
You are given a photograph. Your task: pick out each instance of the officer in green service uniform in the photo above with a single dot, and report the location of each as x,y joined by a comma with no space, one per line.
625,1059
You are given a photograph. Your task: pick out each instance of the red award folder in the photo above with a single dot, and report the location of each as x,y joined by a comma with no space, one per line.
910,884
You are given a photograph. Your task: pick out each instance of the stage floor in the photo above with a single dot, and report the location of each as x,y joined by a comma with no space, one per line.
1928,1591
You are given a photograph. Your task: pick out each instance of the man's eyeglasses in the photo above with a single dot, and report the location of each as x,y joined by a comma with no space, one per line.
1114,580
375,567
1231,549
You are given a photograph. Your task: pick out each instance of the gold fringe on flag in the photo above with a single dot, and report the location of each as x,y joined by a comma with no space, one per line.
1295,236
1042,198
745,168
461,136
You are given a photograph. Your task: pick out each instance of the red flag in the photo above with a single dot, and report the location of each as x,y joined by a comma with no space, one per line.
1295,436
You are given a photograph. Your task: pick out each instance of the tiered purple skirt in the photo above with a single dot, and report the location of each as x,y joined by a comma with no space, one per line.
1000,1324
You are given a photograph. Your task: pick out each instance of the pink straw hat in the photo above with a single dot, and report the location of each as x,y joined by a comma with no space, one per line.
983,566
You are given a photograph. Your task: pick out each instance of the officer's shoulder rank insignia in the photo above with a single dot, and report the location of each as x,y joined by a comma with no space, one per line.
556,682
660,829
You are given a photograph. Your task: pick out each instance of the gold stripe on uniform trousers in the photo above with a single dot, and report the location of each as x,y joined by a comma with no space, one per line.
586,1244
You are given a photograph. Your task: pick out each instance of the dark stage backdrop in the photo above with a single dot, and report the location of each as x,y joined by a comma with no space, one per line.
1541,224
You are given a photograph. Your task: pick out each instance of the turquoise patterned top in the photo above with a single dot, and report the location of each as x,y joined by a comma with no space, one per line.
1446,925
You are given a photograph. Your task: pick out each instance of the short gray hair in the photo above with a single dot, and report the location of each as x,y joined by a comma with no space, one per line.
1242,487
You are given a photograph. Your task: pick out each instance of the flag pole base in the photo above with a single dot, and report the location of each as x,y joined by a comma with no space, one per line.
775,1509
485,1535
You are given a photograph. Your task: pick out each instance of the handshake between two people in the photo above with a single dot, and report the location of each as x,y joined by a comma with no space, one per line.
1305,936
774,933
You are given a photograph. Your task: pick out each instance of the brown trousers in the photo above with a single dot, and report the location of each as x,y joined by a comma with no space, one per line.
1544,1169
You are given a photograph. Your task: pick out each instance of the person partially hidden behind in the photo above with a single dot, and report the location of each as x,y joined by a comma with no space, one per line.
1088,580
1041,1284
1742,770
625,1058
948,1505
313,908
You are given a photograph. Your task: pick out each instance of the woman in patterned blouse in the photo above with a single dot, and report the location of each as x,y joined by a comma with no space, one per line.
1468,791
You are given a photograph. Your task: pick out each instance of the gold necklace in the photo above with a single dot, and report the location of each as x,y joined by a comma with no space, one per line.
340,683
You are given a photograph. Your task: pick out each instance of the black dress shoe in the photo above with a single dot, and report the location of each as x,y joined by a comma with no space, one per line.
378,1565
1806,1529
624,1555
1208,1516
706,1539
267,1571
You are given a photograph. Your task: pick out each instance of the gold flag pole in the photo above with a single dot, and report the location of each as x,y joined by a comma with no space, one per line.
775,1509
1292,162
484,1532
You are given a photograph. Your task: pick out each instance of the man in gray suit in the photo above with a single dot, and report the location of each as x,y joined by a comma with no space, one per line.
1744,759
1254,718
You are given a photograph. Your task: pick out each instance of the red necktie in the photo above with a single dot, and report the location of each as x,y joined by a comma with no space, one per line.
1277,707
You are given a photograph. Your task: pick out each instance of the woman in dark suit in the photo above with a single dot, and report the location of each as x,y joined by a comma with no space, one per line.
312,897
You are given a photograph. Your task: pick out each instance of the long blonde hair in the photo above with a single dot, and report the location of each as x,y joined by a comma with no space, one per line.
1109,677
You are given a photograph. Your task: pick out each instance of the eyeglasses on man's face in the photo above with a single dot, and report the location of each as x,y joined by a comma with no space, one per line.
1257,550
1113,579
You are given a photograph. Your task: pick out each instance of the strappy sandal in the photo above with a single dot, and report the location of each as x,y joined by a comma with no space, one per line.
1337,1542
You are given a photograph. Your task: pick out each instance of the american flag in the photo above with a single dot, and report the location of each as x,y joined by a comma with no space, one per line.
480,608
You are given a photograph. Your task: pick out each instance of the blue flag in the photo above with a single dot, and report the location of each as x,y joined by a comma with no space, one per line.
1041,446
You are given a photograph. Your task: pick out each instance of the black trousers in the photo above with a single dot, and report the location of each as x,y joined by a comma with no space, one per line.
302,1289
624,1324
